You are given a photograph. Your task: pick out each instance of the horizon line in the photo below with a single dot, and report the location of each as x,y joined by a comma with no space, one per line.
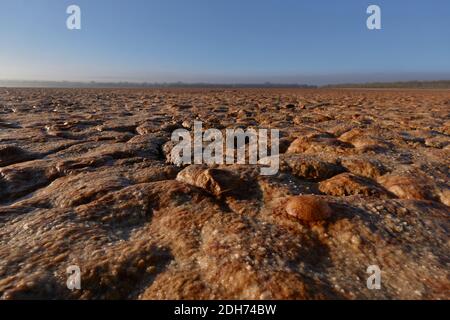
181,84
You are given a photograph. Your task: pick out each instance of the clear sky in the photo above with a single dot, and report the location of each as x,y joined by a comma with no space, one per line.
315,41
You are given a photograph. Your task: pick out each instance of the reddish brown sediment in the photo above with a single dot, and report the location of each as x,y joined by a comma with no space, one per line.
86,179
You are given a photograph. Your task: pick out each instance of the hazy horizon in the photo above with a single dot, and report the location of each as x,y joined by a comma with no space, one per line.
353,79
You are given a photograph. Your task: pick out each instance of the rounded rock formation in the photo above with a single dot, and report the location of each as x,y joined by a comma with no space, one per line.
308,208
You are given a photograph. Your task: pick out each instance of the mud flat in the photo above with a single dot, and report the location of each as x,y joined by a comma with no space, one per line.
85,179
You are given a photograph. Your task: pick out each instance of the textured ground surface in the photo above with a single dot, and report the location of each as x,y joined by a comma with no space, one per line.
84,180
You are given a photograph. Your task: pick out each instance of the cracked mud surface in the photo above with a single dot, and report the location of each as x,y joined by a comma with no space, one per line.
84,180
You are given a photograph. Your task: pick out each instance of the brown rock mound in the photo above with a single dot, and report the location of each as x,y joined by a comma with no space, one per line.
346,184
307,167
218,182
365,141
364,167
317,142
308,208
10,154
407,187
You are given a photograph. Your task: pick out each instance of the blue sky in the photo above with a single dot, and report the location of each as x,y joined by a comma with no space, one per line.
320,41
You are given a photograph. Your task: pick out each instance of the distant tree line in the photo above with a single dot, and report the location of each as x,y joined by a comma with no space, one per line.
93,84
440,84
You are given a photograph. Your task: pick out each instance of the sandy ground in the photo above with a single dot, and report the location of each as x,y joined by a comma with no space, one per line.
86,180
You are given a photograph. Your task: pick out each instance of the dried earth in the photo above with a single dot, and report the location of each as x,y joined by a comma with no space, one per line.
85,179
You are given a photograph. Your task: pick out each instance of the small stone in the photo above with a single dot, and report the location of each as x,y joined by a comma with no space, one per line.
150,269
444,195
308,208
141,264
